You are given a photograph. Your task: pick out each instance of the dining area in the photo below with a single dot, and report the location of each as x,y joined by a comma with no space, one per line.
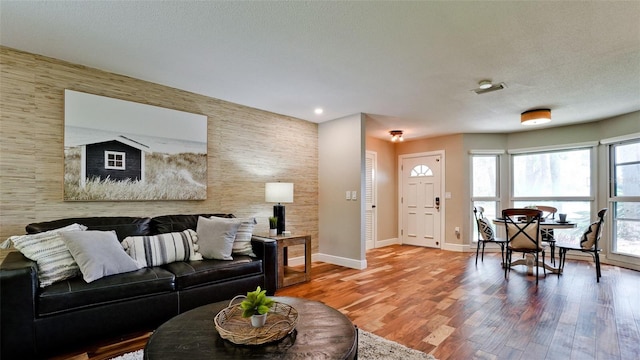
533,231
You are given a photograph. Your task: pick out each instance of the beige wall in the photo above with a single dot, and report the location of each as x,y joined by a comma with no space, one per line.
247,147
341,168
386,181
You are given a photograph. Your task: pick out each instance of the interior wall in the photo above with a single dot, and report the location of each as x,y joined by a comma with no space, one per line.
455,170
386,181
246,148
341,146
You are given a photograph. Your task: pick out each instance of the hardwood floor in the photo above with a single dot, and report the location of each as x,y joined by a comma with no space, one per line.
439,302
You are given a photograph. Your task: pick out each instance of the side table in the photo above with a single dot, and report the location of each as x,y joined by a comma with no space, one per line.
287,275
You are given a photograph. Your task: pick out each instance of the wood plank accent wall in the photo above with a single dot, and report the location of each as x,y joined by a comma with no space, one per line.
246,147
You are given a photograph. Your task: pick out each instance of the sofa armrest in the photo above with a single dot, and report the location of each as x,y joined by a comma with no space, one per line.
19,288
267,250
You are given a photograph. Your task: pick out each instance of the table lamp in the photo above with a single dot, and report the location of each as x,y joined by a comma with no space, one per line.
278,193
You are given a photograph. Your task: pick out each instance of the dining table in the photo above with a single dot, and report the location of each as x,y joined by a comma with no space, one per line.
529,259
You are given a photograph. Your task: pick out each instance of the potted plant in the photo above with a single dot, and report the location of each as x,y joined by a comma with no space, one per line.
256,306
273,226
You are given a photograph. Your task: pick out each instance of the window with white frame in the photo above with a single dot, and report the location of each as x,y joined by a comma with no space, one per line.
625,197
485,190
114,160
559,178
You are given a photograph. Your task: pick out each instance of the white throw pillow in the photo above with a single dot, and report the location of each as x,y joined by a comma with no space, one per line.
216,236
163,248
242,241
49,251
98,254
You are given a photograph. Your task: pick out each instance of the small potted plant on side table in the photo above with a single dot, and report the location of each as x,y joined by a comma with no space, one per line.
273,226
256,306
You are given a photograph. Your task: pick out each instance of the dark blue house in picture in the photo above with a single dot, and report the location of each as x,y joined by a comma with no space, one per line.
119,159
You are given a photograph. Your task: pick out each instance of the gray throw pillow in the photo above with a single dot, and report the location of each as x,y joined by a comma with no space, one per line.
98,254
216,236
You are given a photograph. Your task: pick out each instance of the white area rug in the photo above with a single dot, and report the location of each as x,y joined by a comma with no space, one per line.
370,347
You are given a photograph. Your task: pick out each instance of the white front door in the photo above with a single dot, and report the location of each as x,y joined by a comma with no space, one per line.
421,200
370,197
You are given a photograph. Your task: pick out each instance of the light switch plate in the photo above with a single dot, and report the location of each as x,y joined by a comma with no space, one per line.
354,195
348,197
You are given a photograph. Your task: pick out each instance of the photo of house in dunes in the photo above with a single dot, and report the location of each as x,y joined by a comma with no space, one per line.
121,150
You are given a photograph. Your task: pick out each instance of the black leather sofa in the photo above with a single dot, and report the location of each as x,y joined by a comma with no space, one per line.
40,322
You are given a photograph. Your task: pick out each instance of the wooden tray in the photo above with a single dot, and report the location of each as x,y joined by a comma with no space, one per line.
281,321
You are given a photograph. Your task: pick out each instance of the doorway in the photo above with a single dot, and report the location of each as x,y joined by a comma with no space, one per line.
421,204
371,196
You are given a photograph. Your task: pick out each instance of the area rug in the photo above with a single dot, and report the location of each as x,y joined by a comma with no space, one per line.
370,347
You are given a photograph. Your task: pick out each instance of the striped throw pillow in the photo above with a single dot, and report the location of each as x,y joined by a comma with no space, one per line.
163,248
49,251
242,242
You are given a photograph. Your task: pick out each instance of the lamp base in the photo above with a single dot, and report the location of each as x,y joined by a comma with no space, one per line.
278,211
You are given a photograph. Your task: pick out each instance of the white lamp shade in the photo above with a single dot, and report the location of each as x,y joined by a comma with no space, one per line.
278,192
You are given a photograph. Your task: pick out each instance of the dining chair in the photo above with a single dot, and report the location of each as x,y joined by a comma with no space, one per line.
548,212
588,244
523,236
486,234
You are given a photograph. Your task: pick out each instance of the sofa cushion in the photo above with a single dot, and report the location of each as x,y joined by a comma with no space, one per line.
98,254
48,250
173,223
196,273
73,294
123,225
162,249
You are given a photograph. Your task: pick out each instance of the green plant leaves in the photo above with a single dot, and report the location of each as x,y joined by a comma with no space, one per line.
256,302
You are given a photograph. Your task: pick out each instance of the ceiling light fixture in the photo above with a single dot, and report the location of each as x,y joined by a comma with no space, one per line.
396,135
485,84
318,111
535,117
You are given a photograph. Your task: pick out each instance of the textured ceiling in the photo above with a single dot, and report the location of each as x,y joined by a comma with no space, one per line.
409,65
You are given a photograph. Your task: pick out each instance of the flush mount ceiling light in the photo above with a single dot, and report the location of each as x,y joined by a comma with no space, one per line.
535,117
485,84
396,135
318,111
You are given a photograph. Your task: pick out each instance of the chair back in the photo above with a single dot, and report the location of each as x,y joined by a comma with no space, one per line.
485,231
592,234
547,211
523,235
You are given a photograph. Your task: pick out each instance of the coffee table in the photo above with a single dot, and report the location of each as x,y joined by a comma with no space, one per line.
322,332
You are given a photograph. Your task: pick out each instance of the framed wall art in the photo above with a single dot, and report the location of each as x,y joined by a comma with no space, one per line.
122,150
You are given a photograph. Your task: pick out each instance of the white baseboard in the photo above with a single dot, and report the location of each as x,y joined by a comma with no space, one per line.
455,247
387,242
299,260
341,261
